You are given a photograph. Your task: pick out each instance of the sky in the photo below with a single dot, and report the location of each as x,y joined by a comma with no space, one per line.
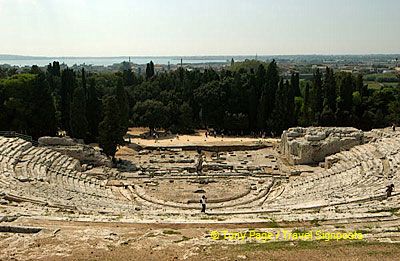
198,27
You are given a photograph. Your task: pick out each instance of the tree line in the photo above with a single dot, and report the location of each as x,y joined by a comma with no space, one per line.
249,97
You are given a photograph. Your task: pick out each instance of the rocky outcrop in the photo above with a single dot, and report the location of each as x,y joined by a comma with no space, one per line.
57,141
84,153
311,145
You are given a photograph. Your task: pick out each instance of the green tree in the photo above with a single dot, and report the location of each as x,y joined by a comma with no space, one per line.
128,77
123,108
345,100
94,111
79,123
109,133
307,112
261,93
291,94
318,96
150,70
185,122
150,113
66,92
211,97
272,80
280,119
42,119
330,91
83,75
394,111
360,86
295,82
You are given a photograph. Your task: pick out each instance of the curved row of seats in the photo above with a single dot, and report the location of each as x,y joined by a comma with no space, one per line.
44,175
354,176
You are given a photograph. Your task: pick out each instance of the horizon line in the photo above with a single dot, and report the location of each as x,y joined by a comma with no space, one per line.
199,55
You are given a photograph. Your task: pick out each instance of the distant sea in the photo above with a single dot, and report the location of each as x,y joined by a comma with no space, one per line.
20,60
105,61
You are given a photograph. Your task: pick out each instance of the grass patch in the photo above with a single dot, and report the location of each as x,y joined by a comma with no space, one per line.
171,232
373,85
315,222
299,231
361,231
184,238
279,245
272,224
296,245
391,210
207,218
393,230
379,253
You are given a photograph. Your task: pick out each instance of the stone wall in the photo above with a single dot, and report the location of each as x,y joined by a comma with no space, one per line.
311,145
84,153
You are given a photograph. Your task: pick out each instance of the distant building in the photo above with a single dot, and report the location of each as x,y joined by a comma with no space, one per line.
389,71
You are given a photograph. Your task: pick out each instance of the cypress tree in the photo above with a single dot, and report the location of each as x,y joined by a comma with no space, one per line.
94,111
261,97
252,102
123,109
262,110
42,119
149,70
152,72
148,73
292,121
109,132
79,123
318,95
330,90
360,86
345,100
295,82
307,113
67,89
84,82
329,104
280,117
272,80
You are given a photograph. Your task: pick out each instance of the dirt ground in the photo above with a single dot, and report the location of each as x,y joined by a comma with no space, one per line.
198,138
60,240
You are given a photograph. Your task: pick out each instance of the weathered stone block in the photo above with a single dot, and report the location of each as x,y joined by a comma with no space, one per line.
312,145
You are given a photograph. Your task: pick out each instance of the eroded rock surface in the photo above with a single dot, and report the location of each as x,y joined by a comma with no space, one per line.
311,145
84,153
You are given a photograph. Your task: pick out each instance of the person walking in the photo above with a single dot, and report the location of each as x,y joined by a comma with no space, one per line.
389,190
203,202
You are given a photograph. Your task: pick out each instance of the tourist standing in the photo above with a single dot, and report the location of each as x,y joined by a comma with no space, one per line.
203,202
389,190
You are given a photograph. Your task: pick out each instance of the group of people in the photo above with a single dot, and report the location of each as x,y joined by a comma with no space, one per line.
213,133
